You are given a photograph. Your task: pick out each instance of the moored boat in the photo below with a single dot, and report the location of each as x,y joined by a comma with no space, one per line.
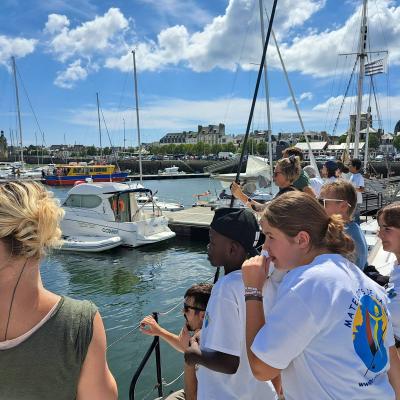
69,174
90,244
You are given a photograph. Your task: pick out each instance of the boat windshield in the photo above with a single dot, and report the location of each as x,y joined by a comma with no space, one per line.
120,204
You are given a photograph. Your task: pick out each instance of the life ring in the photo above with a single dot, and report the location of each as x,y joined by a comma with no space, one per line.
121,205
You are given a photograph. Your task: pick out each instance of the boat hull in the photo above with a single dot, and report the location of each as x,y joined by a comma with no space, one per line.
90,244
54,180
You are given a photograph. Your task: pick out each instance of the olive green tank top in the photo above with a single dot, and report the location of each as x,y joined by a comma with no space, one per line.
46,366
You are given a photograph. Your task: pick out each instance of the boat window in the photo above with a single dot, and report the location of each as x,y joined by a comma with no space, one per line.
83,201
121,207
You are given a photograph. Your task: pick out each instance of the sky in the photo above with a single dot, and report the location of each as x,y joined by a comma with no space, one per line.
197,63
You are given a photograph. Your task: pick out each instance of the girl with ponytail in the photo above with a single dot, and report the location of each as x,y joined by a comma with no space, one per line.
328,334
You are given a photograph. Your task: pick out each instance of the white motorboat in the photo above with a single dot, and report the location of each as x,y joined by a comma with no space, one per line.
109,209
148,203
90,244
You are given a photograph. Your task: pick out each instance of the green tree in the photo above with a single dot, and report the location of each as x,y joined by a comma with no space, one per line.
91,151
230,147
396,142
343,138
373,141
262,148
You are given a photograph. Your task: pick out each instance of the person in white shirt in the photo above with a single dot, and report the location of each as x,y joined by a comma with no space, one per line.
329,333
389,233
357,181
224,372
315,181
329,171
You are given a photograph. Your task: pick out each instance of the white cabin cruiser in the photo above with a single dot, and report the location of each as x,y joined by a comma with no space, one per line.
110,209
147,203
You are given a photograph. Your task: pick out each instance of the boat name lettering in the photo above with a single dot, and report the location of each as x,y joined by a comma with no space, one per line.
108,230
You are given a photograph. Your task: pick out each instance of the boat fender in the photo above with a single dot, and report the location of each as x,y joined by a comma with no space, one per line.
121,205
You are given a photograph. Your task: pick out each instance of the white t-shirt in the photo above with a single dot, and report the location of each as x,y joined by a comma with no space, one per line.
358,181
393,292
316,184
329,332
224,330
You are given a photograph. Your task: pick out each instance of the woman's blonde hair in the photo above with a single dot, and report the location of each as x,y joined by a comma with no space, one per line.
290,167
294,212
29,219
390,214
342,190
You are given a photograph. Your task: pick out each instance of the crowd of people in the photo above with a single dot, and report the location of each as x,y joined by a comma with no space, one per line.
299,321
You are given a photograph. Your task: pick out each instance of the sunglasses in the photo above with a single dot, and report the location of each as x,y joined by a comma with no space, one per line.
323,201
186,308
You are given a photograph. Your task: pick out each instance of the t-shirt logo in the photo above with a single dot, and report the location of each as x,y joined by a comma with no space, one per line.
369,332
206,319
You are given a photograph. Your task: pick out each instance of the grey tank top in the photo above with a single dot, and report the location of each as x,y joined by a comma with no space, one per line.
47,364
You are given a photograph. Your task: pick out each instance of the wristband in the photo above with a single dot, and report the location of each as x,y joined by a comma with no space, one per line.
252,291
253,297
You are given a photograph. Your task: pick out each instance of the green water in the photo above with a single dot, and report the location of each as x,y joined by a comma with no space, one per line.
127,284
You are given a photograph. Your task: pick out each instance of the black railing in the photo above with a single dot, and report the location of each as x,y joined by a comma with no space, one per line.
155,345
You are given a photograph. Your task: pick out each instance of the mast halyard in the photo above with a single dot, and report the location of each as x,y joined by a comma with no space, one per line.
18,109
98,117
267,95
361,55
137,117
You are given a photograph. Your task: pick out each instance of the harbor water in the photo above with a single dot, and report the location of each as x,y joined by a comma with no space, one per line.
127,284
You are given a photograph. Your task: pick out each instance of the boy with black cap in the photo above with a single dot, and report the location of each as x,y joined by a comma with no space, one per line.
224,372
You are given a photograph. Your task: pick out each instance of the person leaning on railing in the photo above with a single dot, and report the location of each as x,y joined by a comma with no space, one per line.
51,346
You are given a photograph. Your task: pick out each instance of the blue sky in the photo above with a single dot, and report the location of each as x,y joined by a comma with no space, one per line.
196,65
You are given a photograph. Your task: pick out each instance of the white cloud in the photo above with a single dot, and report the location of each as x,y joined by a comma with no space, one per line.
306,96
95,37
17,47
223,43
56,23
75,72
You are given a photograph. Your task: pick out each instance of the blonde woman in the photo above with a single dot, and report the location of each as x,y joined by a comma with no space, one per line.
287,170
329,333
51,347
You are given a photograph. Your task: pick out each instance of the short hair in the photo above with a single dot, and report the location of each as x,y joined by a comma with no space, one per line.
356,163
342,168
390,214
201,293
293,151
343,190
29,219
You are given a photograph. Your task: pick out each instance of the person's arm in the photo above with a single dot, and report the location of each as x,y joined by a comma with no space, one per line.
394,371
238,194
190,382
309,190
254,273
150,327
96,380
214,360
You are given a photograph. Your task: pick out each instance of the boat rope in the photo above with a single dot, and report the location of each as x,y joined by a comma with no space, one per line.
165,384
123,336
151,391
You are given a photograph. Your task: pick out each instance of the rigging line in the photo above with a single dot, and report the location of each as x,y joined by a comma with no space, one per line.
151,391
376,104
332,87
344,99
30,105
123,336
166,384
109,137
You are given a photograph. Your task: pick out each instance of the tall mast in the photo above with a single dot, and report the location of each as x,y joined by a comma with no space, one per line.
18,110
266,93
98,117
361,55
137,117
123,119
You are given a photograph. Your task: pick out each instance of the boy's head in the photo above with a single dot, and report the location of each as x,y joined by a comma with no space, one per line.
234,233
194,307
355,165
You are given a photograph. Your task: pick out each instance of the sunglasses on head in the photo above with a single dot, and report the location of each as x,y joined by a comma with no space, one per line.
323,201
187,307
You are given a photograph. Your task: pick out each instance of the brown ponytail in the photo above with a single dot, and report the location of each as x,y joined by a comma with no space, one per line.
294,212
336,240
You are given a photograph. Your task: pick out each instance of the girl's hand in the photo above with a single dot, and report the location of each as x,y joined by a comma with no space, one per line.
237,192
255,271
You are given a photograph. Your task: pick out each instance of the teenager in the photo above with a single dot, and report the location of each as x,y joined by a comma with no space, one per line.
340,198
194,307
329,333
389,233
224,371
287,171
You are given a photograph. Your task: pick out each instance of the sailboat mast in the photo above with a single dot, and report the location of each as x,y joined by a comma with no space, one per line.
266,92
98,117
137,117
18,109
361,55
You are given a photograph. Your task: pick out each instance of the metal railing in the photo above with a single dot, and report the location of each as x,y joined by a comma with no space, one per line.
155,346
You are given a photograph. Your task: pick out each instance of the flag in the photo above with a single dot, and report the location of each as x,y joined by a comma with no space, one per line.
375,67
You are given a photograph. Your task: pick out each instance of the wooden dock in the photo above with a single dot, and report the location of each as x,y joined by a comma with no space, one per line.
194,222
